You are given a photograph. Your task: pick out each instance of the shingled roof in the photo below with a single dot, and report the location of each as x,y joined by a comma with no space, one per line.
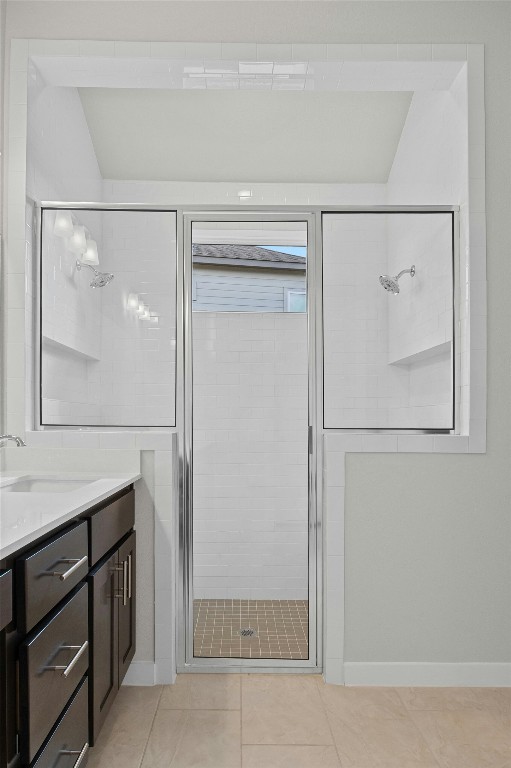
245,255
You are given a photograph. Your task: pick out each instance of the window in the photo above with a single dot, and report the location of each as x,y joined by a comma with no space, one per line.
295,301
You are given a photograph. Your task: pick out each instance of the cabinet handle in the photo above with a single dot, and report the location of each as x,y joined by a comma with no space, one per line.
66,670
80,752
77,563
129,577
123,593
125,582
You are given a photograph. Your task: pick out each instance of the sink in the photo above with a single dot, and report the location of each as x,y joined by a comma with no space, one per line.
34,484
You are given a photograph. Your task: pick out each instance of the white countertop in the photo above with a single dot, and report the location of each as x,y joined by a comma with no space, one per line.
26,516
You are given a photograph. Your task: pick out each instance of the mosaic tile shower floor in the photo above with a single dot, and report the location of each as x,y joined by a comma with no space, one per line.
280,629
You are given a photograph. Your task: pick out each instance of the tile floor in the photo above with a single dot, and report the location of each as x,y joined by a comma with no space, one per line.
296,721
281,629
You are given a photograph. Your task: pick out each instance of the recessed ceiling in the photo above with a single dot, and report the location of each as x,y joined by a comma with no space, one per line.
243,136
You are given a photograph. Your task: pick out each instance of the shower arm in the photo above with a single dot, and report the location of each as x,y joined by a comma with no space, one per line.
410,271
80,264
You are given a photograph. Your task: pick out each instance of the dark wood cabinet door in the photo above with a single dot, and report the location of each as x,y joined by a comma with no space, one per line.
104,585
126,603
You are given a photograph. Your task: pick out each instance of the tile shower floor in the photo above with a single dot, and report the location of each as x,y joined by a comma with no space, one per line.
272,629
297,721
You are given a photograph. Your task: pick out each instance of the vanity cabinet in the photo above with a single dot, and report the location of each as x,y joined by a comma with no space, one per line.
67,635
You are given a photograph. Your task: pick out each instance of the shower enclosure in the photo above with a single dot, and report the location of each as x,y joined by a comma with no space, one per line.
251,335
250,533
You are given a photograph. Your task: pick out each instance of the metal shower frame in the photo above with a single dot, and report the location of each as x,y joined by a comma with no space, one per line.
183,462
186,662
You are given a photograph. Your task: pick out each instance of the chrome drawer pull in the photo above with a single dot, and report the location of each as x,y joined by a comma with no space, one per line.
66,670
77,563
80,752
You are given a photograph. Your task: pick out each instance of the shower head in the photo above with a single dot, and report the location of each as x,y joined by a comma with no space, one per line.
391,284
100,279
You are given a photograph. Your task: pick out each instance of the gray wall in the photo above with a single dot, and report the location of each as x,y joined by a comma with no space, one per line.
428,565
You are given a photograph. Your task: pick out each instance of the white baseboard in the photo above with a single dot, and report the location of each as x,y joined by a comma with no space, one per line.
367,673
165,672
427,674
140,673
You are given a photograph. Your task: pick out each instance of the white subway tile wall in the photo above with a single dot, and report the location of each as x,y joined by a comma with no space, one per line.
70,331
387,359
250,455
421,319
136,370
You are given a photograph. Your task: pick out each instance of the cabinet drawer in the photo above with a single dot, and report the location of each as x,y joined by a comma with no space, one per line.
52,661
110,524
46,574
68,746
5,599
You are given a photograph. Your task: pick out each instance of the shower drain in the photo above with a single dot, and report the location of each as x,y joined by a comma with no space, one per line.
247,632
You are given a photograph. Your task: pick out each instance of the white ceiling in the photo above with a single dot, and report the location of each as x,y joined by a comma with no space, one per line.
245,136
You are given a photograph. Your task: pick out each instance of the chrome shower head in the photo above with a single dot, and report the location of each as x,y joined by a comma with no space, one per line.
391,284
100,279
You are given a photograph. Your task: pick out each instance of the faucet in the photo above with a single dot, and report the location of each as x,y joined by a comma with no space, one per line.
19,442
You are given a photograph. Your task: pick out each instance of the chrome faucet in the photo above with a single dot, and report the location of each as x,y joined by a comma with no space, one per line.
19,442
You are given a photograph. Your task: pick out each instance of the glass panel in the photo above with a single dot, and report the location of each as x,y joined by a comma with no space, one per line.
388,320
250,448
108,318
296,301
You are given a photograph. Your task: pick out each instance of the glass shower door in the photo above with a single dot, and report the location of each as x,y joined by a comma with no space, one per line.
250,479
